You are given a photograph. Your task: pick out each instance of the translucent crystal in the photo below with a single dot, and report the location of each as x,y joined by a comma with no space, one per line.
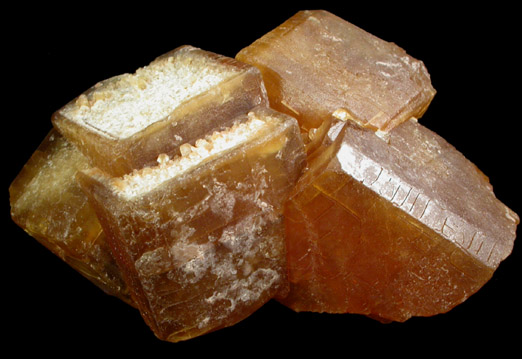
49,205
123,123
316,62
200,237
389,220
392,226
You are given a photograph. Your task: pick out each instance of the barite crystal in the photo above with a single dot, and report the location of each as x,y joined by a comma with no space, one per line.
316,62
120,124
389,220
124,122
50,206
392,226
200,238
171,190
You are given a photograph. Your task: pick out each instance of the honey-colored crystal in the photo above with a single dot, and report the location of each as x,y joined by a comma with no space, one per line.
123,123
50,206
389,220
316,62
200,238
392,226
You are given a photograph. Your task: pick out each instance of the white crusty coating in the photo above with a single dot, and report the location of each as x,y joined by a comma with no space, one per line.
147,179
126,104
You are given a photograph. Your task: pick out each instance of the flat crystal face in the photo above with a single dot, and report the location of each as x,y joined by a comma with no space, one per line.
425,176
48,204
316,62
203,244
149,95
392,227
124,123
47,183
389,224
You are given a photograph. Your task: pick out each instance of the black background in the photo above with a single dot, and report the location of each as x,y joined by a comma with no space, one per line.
51,55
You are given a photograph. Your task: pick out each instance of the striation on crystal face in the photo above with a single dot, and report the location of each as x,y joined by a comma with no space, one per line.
316,62
124,122
50,206
200,238
389,220
392,226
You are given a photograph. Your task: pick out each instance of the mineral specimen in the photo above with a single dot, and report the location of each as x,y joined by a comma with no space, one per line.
196,198
392,227
48,204
123,123
316,62
389,220
200,238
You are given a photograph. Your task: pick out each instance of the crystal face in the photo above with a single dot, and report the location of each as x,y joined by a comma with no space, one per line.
200,238
316,62
49,205
196,213
123,123
392,227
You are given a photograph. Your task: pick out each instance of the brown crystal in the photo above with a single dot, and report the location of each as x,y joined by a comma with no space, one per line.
392,227
50,206
123,123
316,62
200,238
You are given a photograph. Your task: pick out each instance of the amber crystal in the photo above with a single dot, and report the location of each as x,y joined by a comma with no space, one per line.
316,62
124,122
179,190
49,205
392,226
200,238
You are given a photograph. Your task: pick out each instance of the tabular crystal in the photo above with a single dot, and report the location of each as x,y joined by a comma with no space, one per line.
123,123
316,62
48,204
392,227
200,238
195,196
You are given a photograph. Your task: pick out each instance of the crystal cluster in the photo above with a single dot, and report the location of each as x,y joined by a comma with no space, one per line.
166,188
123,123
201,186
390,220
203,244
